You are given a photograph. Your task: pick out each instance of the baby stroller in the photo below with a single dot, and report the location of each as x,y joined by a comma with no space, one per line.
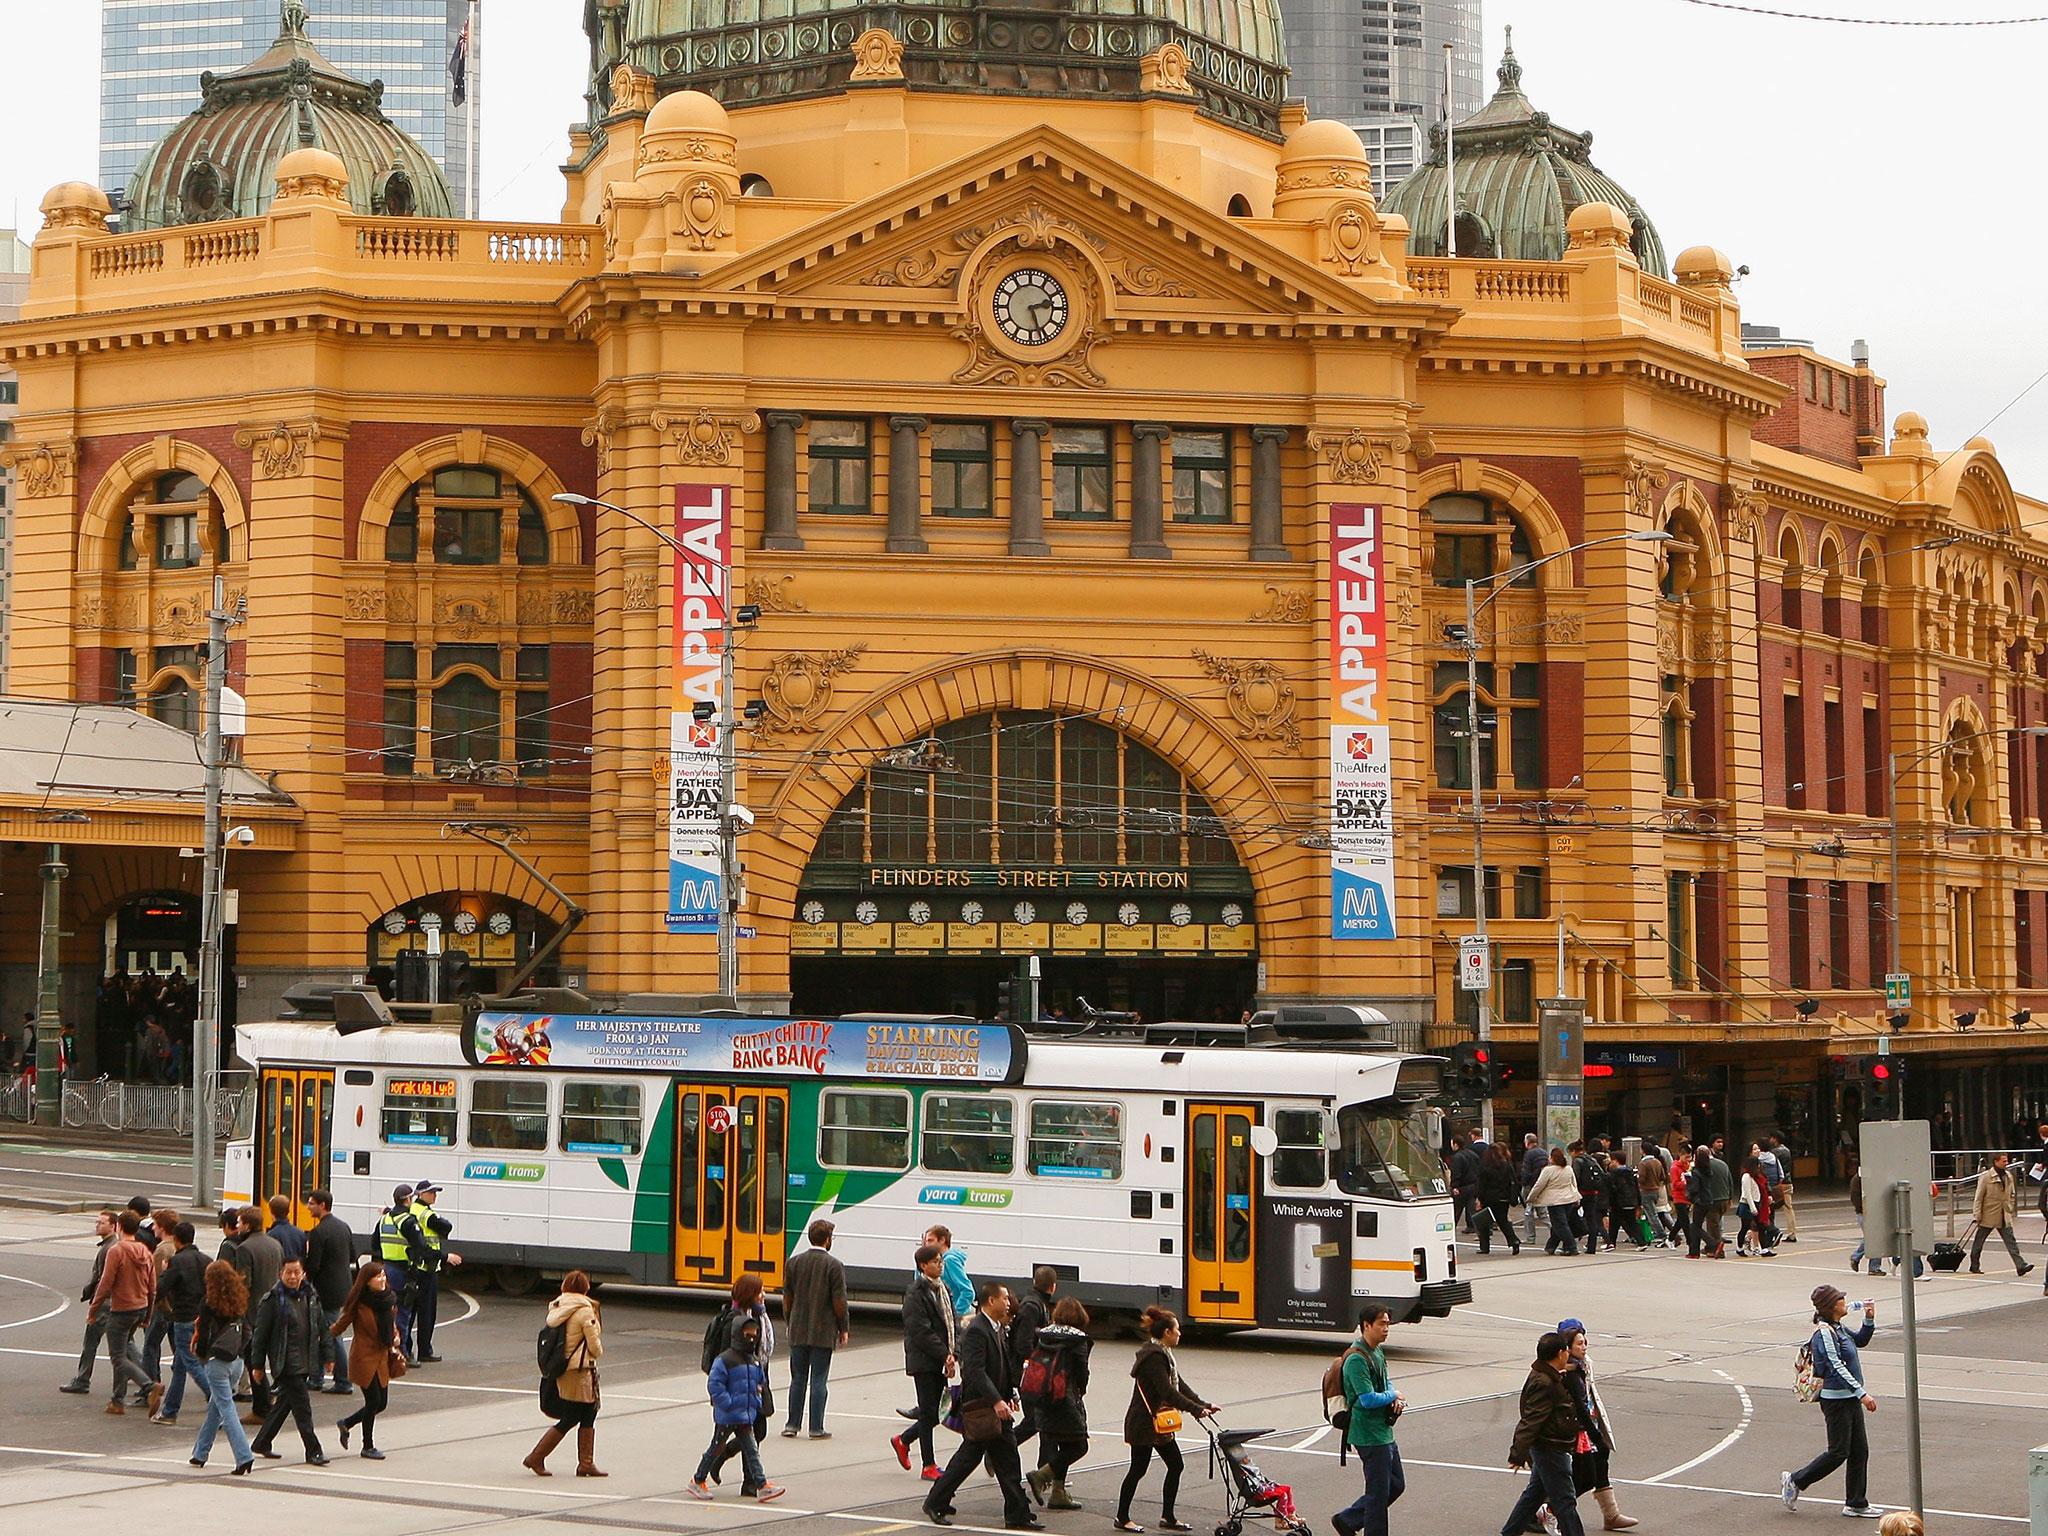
1247,1490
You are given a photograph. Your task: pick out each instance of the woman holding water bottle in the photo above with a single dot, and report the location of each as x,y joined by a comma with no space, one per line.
1843,1401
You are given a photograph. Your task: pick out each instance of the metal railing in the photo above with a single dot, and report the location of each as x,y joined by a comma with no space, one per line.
104,1103
1956,1170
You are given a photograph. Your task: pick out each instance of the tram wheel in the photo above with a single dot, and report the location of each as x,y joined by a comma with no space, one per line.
516,1279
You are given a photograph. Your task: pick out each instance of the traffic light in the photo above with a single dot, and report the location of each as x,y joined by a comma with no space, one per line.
1006,1000
1884,1082
1472,1070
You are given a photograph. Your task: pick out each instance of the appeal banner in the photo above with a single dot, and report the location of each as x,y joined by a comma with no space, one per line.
703,573
1361,774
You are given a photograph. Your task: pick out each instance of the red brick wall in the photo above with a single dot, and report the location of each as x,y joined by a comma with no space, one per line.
1564,722
1804,425
1708,736
95,671
372,445
363,664
97,455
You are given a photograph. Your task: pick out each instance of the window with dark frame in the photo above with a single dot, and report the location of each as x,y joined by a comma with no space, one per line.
842,465
962,469
1083,474
1201,475
399,755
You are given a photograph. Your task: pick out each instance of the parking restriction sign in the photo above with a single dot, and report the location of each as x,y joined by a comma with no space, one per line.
1475,973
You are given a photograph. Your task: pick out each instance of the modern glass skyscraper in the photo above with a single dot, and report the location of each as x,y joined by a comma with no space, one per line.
152,53
1379,66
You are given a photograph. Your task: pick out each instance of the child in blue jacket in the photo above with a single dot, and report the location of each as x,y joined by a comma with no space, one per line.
738,1388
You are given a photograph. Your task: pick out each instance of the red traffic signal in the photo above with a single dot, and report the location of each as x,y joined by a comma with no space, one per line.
1880,1072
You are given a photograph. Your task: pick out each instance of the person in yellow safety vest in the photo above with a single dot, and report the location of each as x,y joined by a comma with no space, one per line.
426,1233
393,1253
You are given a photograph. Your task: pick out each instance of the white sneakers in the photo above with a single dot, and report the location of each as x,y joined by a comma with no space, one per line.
1867,1512
1788,1490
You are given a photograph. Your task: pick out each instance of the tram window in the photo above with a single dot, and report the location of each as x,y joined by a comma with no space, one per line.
969,1133
1299,1161
1384,1153
508,1114
865,1130
1077,1141
601,1117
419,1111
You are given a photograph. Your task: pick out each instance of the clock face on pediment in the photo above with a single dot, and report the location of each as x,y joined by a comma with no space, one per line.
1030,306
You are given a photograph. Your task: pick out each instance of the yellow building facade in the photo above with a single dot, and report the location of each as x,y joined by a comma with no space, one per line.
1036,414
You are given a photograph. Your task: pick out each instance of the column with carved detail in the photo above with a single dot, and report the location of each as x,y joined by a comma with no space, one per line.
1269,537
778,495
1027,487
41,657
1148,515
906,504
1744,887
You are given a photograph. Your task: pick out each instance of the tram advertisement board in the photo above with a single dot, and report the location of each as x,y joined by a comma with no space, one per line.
1361,775
748,1047
703,577
1304,1263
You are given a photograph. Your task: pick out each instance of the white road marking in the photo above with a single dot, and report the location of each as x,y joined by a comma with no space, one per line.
63,1302
1733,1435
474,1306
1311,1437
40,1450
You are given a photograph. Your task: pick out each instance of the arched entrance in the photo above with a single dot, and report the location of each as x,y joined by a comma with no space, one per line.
478,940
1023,833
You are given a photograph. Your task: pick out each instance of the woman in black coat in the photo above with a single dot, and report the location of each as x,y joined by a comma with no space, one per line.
1498,1185
1156,1386
1062,1422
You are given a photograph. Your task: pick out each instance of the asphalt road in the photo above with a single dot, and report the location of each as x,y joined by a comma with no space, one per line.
1695,1361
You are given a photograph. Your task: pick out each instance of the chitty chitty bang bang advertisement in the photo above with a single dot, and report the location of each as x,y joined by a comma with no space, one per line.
766,1047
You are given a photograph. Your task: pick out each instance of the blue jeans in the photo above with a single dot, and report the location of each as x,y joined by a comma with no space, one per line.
183,1364
398,1276
751,1474
1384,1483
809,1365
1550,1482
221,1378
333,1351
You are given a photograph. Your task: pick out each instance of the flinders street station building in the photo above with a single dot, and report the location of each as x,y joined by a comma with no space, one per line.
1089,479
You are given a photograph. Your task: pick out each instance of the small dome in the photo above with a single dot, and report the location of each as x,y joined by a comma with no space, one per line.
224,161
680,111
1910,424
1981,445
1596,224
1322,138
1703,266
76,197
1519,176
312,164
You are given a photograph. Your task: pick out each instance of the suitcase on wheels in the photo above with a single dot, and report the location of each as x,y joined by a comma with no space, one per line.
1948,1257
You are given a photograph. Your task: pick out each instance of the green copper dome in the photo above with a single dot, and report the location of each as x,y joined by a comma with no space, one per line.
744,51
221,162
1518,177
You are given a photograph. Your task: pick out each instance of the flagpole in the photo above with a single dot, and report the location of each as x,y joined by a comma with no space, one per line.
1450,164
469,191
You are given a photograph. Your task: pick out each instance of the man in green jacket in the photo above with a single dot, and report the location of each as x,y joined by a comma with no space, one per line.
1370,1430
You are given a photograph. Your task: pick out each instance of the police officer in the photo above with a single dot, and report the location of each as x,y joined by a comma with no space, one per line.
425,1232
392,1252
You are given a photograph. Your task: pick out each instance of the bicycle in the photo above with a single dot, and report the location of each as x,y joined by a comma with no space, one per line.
78,1103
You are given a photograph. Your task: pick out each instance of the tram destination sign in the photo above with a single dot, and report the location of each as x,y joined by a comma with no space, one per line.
749,1047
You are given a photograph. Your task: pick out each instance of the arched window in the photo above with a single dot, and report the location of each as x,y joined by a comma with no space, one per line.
468,698
466,721
1476,541
174,703
755,186
473,515
1240,206
1965,776
1451,736
1675,717
1791,587
174,520
1871,614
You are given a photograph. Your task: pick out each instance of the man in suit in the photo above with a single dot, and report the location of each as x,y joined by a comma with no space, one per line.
988,1386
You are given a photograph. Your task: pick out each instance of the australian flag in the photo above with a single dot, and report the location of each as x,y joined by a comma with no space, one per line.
458,67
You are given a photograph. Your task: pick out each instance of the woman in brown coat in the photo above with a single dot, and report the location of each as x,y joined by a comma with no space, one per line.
572,1396
1156,1386
369,1310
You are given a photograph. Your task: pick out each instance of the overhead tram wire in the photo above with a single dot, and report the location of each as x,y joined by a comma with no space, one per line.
1869,21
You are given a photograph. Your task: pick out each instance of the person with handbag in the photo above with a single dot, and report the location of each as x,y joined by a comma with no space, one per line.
989,1411
739,1397
929,1356
571,1398
1158,1399
220,1341
1595,1446
369,1314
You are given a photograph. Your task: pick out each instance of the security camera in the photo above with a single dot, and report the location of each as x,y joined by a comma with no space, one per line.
740,814
242,837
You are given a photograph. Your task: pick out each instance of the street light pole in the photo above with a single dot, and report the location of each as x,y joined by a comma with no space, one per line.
206,1033
728,756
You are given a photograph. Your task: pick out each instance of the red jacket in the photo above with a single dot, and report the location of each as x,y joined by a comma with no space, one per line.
128,1283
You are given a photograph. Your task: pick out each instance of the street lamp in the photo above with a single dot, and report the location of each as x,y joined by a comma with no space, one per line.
731,816
1473,608
1897,763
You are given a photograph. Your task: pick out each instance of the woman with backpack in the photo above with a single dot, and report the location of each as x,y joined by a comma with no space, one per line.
371,1310
571,1397
1844,1400
749,1303
739,1396
1061,1354
1158,1398
220,1341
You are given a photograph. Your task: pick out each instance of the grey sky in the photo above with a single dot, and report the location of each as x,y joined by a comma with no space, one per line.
1870,177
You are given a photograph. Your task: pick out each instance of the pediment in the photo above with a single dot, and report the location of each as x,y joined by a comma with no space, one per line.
1158,258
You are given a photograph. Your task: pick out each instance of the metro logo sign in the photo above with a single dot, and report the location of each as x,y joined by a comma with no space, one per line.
1361,778
703,580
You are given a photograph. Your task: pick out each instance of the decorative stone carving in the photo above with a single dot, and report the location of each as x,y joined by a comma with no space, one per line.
363,605
1259,697
797,688
1286,605
574,606
771,594
533,605
632,90
1404,606
1349,239
468,613
599,431
877,55
1036,230
399,605
1355,457
181,614
1743,510
280,451
1070,363
701,213
639,592
42,469
1644,479
1166,70
704,438
1668,654
92,612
